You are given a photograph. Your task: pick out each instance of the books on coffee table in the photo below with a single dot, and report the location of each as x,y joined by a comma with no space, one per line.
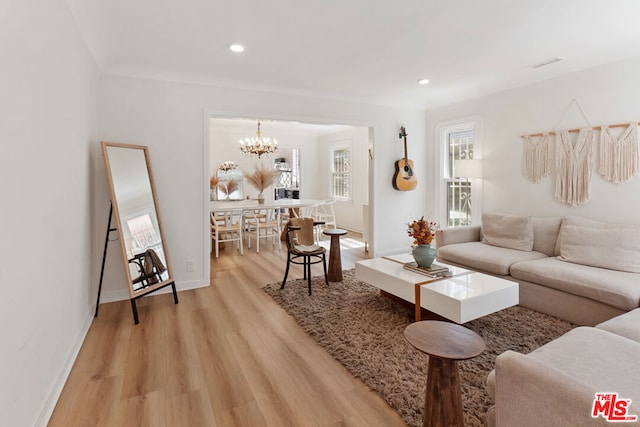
435,270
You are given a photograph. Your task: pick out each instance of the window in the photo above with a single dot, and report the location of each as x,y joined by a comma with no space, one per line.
143,233
457,143
341,173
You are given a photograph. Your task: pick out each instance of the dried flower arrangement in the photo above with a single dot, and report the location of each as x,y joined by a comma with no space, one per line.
261,177
422,230
229,187
214,181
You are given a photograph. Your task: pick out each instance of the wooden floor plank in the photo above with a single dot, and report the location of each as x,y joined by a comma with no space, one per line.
226,355
190,410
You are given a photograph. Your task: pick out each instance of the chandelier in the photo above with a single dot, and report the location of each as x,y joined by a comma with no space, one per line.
258,146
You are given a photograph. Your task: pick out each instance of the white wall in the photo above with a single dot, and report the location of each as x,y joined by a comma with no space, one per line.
608,94
170,119
348,214
49,120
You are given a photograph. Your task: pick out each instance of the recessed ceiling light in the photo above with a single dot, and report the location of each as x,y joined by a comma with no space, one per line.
237,48
423,81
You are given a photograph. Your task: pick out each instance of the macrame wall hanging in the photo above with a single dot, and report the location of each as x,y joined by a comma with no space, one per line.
574,164
619,156
574,161
618,162
536,161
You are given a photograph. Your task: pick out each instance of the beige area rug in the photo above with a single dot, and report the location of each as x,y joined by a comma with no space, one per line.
364,331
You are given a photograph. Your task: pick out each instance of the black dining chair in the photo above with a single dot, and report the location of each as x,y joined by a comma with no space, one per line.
302,250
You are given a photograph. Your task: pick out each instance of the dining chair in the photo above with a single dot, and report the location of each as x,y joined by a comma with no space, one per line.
227,227
262,224
302,250
149,268
325,214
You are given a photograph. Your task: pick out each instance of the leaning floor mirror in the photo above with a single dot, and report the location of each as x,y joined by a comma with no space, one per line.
134,213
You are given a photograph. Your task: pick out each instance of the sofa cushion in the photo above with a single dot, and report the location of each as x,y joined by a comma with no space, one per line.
483,257
576,220
595,357
545,234
507,231
618,289
626,325
612,248
586,222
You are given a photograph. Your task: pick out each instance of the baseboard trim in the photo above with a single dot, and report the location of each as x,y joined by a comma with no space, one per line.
123,294
58,385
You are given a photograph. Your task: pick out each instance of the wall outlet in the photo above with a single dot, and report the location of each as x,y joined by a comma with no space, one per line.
189,266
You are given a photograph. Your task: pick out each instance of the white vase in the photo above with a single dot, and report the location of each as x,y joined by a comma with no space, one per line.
260,198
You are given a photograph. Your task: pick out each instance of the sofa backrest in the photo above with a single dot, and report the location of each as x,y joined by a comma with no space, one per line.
545,234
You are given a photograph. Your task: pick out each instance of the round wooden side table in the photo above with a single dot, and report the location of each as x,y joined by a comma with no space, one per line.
445,343
335,259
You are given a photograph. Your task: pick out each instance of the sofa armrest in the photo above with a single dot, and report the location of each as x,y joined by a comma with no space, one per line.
531,393
448,236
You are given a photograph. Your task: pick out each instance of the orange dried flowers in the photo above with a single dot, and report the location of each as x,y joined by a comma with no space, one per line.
422,230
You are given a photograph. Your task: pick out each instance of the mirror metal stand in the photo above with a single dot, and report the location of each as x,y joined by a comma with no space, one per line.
104,256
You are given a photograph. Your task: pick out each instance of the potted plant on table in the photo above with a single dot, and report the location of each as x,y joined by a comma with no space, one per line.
423,231
260,179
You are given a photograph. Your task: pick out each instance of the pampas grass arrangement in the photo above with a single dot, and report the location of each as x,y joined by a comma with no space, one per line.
231,186
260,178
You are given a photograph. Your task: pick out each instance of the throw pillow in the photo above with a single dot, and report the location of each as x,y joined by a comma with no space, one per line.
579,221
507,231
586,222
612,248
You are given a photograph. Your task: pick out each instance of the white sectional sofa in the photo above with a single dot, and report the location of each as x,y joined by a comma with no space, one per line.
573,268
584,271
556,384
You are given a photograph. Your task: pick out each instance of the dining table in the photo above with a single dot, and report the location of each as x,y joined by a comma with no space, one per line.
294,207
222,206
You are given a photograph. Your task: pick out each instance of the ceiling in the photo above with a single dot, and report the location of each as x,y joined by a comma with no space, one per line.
372,51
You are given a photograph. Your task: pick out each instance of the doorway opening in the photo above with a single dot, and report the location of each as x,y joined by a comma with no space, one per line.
303,161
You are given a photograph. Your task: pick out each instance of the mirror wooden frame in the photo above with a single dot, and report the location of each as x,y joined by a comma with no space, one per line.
145,286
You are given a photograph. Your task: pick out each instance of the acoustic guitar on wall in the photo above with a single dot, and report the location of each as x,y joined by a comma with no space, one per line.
404,179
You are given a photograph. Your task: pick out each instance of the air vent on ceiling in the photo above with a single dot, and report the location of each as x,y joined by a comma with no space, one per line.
547,62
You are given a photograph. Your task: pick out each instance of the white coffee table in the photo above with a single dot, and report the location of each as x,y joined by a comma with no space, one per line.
462,297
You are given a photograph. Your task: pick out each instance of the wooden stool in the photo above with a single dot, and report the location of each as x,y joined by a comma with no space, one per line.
335,259
445,343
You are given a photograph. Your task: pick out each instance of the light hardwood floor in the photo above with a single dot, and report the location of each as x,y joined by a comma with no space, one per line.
226,355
